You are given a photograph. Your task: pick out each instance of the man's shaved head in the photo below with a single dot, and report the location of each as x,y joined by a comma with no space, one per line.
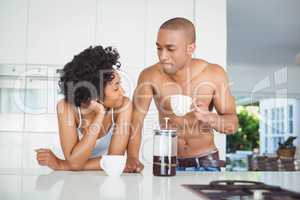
181,24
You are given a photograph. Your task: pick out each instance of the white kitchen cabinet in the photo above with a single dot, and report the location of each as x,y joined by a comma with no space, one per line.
40,99
33,141
10,187
28,98
58,30
12,94
121,24
10,150
157,13
211,28
13,22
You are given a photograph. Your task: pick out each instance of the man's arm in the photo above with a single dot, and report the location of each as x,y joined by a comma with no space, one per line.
225,120
141,101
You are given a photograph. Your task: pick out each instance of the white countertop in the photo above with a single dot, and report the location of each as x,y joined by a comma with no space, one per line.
16,184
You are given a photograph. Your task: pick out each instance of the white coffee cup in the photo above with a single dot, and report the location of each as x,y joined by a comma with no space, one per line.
113,165
181,104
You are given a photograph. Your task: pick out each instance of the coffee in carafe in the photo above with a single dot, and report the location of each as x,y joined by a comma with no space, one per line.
164,153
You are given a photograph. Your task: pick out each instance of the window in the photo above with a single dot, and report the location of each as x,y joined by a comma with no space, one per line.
275,143
282,113
291,128
281,140
273,128
266,121
281,120
290,119
282,127
290,111
266,144
273,121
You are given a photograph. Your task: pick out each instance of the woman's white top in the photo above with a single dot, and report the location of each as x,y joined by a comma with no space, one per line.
102,144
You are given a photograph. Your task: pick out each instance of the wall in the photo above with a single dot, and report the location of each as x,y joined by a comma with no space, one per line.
264,81
44,35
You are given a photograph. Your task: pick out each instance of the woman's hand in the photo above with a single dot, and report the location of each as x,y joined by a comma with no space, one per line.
93,106
46,157
133,165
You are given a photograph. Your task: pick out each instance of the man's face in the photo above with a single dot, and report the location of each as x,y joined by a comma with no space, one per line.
173,50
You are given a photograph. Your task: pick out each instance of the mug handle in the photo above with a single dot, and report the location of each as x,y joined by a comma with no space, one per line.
102,164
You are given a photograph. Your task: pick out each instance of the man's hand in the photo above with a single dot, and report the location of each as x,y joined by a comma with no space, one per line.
133,165
204,115
46,157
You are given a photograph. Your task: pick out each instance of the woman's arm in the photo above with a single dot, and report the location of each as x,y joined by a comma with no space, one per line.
46,157
119,140
91,164
77,152
117,146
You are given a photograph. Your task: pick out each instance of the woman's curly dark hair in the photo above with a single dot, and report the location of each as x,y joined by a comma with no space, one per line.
85,77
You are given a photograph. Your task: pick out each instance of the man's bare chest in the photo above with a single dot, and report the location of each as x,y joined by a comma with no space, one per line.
201,91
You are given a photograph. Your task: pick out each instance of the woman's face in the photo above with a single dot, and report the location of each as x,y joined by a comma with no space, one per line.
114,93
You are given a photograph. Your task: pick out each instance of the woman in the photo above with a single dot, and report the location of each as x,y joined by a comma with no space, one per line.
94,116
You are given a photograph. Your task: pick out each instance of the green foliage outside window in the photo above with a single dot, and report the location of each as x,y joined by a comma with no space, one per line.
247,137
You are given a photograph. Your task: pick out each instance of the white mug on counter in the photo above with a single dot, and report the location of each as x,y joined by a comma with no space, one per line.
113,165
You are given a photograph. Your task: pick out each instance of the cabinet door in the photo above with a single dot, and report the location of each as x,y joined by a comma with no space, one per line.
10,149
157,13
12,94
13,21
58,30
33,141
121,24
211,28
41,97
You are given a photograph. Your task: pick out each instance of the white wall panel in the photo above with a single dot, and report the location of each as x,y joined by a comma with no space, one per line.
13,22
10,150
121,24
59,29
157,13
246,80
34,141
10,187
11,100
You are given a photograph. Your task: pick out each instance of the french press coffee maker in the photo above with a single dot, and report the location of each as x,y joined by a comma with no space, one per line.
164,151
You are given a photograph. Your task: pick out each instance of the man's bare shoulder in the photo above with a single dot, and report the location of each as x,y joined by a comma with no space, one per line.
210,69
218,72
149,72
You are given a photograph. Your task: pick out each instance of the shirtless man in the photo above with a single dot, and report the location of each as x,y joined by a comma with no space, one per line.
178,73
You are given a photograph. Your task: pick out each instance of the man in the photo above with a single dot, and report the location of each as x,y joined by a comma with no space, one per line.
178,73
